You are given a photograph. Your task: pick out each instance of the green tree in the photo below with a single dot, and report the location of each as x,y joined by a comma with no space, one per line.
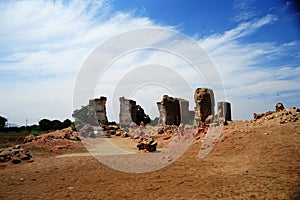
2,122
56,125
81,115
45,124
67,123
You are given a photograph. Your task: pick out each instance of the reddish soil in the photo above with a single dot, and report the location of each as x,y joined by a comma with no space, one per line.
257,160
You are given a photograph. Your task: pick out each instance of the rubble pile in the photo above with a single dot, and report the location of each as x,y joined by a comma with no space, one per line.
169,130
147,144
14,155
136,132
67,133
281,115
131,112
85,130
111,130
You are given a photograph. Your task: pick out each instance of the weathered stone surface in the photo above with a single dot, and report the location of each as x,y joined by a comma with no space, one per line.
147,144
85,130
125,111
258,116
279,107
14,155
224,110
184,111
205,103
30,138
172,108
162,114
209,119
131,112
282,117
69,133
97,112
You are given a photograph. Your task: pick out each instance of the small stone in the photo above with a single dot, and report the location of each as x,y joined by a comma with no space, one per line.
17,147
118,133
30,160
24,157
60,147
15,161
22,179
266,133
2,166
167,137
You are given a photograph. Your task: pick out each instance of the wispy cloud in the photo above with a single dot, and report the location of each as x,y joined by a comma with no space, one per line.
258,73
245,10
43,47
45,44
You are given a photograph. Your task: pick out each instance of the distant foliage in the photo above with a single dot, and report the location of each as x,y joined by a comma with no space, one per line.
81,115
46,124
2,122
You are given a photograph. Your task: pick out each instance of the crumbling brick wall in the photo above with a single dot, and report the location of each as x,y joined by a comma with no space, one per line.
162,114
224,110
125,115
184,111
205,103
131,112
172,108
97,112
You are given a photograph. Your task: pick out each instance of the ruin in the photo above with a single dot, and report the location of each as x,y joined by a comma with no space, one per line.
169,111
205,103
279,107
224,110
172,108
125,111
173,111
97,112
162,114
184,111
131,112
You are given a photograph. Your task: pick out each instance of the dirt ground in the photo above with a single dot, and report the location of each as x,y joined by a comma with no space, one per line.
252,160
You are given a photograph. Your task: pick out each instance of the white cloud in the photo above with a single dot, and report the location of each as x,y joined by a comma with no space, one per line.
45,44
43,47
254,71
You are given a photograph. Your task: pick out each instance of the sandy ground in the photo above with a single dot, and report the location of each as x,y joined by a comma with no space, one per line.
250,161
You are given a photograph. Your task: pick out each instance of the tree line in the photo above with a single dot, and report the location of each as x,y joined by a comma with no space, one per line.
43,126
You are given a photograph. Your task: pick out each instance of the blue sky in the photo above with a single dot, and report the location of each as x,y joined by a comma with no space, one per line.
253,44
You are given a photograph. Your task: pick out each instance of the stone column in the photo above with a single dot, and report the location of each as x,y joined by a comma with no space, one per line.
162,114
205,103
224,110
97,112
125,112
100,108
184,111
172,108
